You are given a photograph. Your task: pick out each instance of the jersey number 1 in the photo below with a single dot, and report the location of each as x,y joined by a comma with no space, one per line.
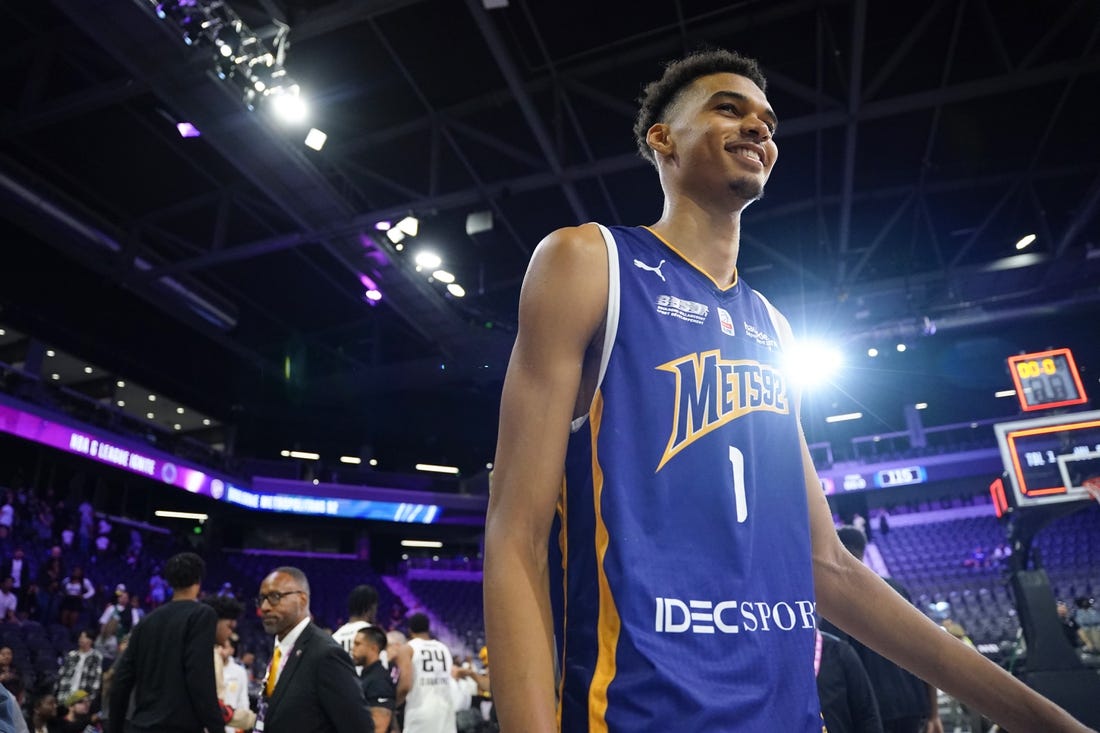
737,461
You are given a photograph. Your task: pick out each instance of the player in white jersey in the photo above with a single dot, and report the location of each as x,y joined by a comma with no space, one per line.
426,681
362,607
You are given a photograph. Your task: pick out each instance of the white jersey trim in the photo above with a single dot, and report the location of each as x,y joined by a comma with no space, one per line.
611,327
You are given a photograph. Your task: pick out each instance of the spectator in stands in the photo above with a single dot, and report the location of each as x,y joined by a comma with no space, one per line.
6,541
106,642
158,589
52,569
87,522
68,537
848,702
362,607
108,678
906,703
7,665
81,670
18,568
17,691
30,605
43,718
78,713
7,512
77,591
1087,617
1069,624
122,611
9,602
379,689
229,611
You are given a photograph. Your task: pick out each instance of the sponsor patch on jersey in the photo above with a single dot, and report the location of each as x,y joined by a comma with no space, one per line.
725,321
760,337
685,310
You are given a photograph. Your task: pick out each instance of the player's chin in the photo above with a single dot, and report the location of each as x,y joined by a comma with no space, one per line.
747,188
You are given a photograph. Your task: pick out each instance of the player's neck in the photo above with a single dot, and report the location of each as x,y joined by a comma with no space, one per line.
710,239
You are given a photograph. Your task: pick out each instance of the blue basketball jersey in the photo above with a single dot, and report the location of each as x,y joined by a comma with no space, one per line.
683,596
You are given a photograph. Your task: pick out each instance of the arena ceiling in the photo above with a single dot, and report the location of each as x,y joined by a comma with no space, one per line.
919,142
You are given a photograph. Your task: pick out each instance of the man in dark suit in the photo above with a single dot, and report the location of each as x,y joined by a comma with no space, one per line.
310,686
169,665
19,569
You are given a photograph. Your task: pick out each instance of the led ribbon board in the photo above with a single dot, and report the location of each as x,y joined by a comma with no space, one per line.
131,456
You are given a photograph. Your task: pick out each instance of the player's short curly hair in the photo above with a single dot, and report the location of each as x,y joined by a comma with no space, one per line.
658,96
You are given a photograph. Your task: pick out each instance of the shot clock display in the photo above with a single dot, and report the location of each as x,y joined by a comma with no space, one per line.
1046,379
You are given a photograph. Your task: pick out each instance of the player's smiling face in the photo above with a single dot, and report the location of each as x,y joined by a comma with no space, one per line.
721,133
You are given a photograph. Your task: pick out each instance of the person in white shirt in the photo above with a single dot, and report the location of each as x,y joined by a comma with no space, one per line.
426,685
9,601
235,678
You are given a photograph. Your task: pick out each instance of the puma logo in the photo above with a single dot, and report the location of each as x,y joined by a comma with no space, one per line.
657,269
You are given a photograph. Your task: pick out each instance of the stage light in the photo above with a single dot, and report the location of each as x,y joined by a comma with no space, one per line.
51,352
179,410
373,295
443,276
305,455
206,421
921,406
1005,393
399,246
352,460
422,543
844,418
410,225
170,514
1025,241
120,384
121,403
315,139
186,129
373,461
433,468
150,416
395,235
56,377
152,398
88,370
456,290
811,363
901,347
427,260
872,352
290,107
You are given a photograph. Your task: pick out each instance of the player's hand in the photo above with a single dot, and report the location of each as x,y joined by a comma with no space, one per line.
934,725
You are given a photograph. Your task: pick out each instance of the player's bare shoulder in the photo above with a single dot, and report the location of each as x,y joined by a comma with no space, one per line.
569,270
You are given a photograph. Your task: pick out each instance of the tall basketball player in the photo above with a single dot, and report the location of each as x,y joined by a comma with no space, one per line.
649,431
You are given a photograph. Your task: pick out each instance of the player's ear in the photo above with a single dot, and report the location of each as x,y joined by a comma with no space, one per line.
659,139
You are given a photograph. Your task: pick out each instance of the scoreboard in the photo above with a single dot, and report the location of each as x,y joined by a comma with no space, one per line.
1046,379
1048,459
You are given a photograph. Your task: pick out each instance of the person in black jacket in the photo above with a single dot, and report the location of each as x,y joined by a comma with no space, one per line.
905,702
847,701
310,685
168,664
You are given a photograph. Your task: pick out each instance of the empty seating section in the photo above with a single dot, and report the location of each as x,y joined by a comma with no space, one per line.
458,604
959,562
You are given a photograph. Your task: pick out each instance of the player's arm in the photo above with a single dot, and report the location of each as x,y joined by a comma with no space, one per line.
404,672
562,305
862,604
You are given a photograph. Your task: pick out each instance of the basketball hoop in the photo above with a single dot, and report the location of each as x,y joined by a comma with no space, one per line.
1092,485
